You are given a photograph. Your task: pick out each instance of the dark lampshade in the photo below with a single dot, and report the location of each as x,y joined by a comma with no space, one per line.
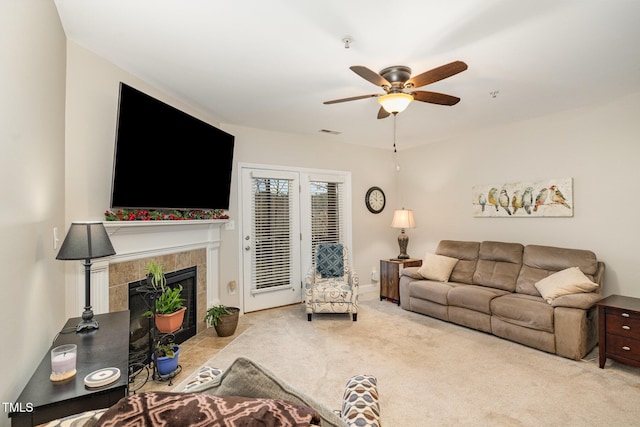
86,240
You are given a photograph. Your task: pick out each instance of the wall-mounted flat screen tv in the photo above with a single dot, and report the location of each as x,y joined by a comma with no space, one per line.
167,159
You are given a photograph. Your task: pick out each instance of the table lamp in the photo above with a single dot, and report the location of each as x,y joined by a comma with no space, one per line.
86,241
403,218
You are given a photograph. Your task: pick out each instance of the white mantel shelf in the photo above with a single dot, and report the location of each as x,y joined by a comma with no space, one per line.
141,239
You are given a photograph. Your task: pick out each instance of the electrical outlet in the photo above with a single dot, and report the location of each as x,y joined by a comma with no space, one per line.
374,275
232,287
230,225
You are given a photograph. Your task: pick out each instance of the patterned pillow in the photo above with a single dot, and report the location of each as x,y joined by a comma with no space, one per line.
330,260
360,405
168,409
205,375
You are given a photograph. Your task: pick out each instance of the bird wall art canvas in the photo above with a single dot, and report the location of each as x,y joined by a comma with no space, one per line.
548,198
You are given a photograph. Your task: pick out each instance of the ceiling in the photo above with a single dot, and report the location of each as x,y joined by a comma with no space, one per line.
271,64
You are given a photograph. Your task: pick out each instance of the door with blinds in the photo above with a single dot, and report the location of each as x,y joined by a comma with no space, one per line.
325,213
271,238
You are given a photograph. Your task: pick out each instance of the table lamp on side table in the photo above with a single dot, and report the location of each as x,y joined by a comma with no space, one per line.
403,218
86,241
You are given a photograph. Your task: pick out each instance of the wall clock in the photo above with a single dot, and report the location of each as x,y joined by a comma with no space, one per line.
375,200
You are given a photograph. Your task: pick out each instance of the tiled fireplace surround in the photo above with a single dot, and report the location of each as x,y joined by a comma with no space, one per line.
175,244
123,273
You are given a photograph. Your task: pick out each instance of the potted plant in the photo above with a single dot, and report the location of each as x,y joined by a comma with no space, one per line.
166,357
155,276
169,305
223,318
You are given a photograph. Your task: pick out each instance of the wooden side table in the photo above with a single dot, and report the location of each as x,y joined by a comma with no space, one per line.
107,346
619,329
390,271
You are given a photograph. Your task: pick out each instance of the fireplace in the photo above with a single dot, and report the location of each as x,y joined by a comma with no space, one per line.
140,302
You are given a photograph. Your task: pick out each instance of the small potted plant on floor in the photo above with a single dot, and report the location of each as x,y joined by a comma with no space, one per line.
169,305
166,358
224,319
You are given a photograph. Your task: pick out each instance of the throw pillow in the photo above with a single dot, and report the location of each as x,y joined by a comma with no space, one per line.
330,260
168,409
249,379
564,282
437,267
360,404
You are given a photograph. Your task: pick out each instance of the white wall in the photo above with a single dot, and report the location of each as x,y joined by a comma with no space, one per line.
597,147
92,97
31,187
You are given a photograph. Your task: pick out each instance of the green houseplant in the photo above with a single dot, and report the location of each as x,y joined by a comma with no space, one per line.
224,319
166,358
169,304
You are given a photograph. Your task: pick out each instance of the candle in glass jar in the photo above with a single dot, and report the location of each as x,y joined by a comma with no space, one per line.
63,358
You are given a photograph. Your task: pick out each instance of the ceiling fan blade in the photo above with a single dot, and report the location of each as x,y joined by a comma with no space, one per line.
438,74
383,114
353,98
435,97
370,75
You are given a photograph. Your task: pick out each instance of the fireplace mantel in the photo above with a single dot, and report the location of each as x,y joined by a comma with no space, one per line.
134,240
141,239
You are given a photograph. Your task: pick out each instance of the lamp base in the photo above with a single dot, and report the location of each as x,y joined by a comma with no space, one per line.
88,322
403,242
87,325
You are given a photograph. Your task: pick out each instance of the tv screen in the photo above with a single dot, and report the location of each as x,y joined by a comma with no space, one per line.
167,159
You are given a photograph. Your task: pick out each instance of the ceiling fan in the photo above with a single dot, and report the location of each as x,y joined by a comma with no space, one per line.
394,80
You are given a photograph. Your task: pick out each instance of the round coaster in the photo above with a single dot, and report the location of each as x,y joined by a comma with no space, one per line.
62,377
102,377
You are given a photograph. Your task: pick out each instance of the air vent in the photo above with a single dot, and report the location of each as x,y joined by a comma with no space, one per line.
331,132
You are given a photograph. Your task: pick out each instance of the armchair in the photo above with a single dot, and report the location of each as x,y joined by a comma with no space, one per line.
331,286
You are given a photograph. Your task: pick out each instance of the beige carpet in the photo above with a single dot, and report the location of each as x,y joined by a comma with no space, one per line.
435,373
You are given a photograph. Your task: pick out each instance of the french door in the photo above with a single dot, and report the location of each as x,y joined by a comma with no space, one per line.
271,239
285,213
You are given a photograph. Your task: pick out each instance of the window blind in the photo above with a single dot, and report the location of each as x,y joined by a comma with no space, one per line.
327,213
271,204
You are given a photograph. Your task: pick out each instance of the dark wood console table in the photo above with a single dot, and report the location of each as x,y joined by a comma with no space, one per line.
107,346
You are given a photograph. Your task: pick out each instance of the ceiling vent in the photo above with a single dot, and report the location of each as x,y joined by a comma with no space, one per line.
330,132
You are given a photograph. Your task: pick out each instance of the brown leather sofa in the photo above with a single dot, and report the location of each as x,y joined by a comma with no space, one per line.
492,288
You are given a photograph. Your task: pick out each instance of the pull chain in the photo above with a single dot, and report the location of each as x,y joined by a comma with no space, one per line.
394,132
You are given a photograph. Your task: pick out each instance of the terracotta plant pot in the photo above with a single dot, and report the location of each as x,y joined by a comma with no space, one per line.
227,324
168,323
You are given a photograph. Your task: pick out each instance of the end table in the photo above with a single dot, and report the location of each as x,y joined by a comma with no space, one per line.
390,271
619,330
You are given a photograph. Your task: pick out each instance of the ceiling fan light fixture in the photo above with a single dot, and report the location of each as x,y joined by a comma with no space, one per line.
395,102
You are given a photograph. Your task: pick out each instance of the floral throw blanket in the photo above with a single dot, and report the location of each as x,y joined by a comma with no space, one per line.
196,409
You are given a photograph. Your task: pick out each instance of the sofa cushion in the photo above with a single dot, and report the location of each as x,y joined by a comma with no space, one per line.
430,291
477,298
437,267
566,282
467,255
155,408
499,264
524,310
539,262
